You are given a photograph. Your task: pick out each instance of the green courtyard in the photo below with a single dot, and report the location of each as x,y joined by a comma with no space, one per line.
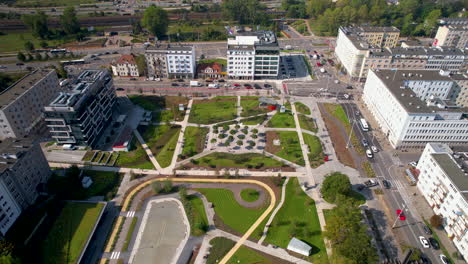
135,158
246,160
218,109
194,141
289,148
162,140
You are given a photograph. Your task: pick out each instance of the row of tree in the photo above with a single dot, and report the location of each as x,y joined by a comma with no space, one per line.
38,23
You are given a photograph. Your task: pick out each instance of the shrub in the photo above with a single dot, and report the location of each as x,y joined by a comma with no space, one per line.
437,221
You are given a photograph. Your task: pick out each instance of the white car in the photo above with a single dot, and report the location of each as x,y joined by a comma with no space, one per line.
413,163
374,149
369,153
444,259
424,242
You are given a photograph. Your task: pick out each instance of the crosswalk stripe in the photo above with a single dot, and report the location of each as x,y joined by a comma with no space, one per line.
130,213
115,255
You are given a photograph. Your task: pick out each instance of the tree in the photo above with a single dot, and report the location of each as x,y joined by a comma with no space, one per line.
141,64
69,21
437,221
155,20
245,11
20,56
334,185
239,142
136,27
8,259
183,193
157,187
38,24
29,46
167,186
38,56
43,44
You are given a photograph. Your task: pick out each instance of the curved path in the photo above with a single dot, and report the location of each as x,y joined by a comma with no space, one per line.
240,242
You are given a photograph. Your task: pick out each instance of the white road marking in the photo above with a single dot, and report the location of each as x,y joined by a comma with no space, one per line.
130,213
115,255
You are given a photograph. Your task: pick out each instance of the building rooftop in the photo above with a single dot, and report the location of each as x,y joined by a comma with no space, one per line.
126,59
259,39
394,81
11,151
213,65
22,85
370,29
454,21
455,168
170,47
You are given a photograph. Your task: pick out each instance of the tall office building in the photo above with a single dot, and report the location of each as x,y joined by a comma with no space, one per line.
170,61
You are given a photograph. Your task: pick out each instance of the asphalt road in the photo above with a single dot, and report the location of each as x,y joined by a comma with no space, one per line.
389,168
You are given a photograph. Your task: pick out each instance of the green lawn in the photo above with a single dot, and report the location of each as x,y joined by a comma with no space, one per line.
220,246
290,148
46,3
128,238
220,61
164,108
218,109
247,255
302,108
316,154
194,142
307,123
197,216
67,238
250,106
232,214
246,160
162,140
135,158
337,111
251,121
249,195
14,41
297,218
282,120
104,183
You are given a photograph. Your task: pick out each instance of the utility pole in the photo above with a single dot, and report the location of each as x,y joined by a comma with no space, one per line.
350,134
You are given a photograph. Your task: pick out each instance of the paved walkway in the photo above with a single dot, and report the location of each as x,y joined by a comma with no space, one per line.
180,140
147,150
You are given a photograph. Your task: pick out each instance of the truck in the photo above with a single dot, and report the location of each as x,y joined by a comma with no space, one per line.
213,86
195,83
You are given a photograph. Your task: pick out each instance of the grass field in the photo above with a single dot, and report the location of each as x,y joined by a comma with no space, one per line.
46,3
251,121
302,108
104,183
290,148
247,255
218,109
164,108
194,140
220,61
247,160
297,218
14,41
249,195
230,211
219,247
67,238
250,106
337,111
135,158
162,141
282,120
315,147
307,123
197,217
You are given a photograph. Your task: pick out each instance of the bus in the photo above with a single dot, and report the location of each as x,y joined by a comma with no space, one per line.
364,125
55,51
72,62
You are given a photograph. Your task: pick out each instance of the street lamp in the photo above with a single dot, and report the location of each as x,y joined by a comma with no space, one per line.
350,133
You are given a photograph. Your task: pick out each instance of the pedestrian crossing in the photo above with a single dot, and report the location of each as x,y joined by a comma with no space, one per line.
130,213
115,255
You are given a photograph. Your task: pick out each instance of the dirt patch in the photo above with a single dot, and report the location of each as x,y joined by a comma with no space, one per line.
270,137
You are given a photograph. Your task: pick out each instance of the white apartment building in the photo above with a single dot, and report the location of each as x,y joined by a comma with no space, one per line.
125,66
395,100
443,181
253,55
171,61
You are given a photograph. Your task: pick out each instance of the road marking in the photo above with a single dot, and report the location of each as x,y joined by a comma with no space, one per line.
115,255
130,213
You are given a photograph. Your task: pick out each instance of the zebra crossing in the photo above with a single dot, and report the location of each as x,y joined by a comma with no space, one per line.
130,213
115,255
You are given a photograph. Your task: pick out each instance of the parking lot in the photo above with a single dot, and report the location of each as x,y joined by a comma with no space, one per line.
293,67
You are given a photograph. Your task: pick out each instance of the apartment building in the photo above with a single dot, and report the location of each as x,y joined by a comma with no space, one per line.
125,66
443,181
170,61
414,107
374,36
80,115
452,36
253,55
21,104
461,92
23,172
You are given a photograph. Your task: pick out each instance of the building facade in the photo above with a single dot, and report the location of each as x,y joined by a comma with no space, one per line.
413,108
170,61
443,181
21,104
212,70
125,66
80,115
452,36
253,55
23,172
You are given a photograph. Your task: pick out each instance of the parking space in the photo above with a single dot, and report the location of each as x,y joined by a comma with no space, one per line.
292,67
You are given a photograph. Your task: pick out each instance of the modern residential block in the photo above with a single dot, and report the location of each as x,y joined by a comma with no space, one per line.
125,66
452,36
23,171
253,55
80,115
21,104
443,181
415,107
170,61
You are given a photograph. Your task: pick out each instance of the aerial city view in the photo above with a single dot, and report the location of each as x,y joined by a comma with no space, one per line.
233,131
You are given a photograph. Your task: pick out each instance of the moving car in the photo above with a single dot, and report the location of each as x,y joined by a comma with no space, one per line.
424,242
364,143
349,87
444,259
371,183
434,243
374,149
386,184
427,230
369,153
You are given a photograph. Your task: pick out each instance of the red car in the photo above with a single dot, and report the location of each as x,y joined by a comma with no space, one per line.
248,87
319,64
236,85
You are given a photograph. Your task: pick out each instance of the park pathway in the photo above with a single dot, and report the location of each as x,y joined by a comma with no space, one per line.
147,150
303,145
180,140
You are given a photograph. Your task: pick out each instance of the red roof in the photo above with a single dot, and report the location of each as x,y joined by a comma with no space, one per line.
217,68
124,138
130,59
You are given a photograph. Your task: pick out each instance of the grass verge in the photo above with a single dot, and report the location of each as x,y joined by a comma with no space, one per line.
128,238
135,158
246,160
302,108
249,195
194,141
282,120
368,169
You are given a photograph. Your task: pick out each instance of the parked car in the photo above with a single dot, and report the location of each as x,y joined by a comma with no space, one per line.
247,84
444,259
319,64
413,163
365,143
257,86
120,89
221,80
427,230
133,79
386,184
266,85
174,84
434,243
369,154
236,85
374,149
19,64
349,87
371,183
424,242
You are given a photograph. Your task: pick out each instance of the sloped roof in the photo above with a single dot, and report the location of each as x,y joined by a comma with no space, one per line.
213,65
300,247
128,58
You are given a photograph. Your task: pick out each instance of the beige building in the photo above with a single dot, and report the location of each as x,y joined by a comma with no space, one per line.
452,36
461,94
376,36
125,66
23,171
21,104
